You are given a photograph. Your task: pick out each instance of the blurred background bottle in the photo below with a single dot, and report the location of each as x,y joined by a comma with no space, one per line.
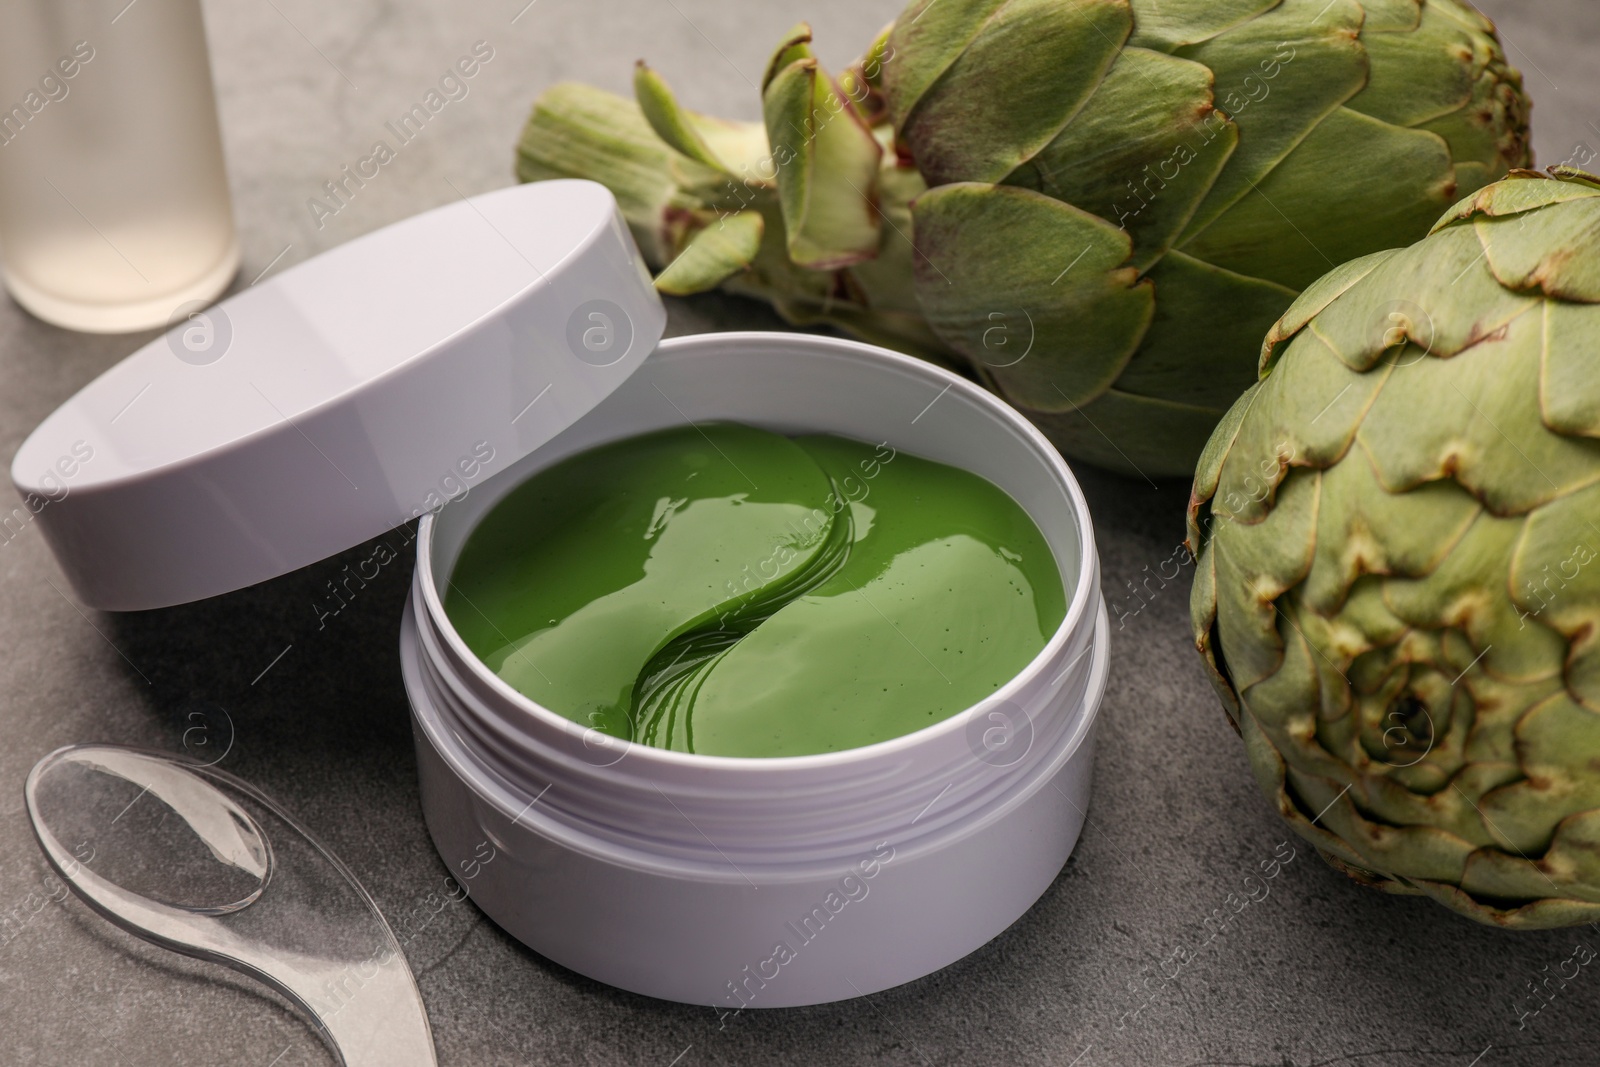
114,206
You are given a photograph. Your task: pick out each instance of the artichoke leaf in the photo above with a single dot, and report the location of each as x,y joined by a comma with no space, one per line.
774,278
875,299
1573,861
1499,705
827,168
1141,436
1466,14
1569,388
1309,410
1418,76
1314,300
1541,914
1208,472
714,149
1473,175
713,255
1392,16
1514,647
1335,646
1558,746
1555,579
1202,617
1033,291
1521,193
862,82
1483,427
1450,807
1141,153
887,281
1349,187
1256,564
1176,361
1482,777
796,44
1568,173
870,69
671,123
576,131
1278,77
1439,297
924,41
1365,530
1561,884
1556,251
1013,87
1365,612
1489,134
1272,775
1283,704
1412,853
1165,25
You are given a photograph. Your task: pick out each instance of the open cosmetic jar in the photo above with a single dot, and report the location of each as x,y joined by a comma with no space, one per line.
732,882
768,882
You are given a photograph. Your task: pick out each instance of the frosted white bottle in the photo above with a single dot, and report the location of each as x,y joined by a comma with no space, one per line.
114,206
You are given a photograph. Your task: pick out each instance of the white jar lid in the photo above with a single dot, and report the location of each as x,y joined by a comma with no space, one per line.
342,397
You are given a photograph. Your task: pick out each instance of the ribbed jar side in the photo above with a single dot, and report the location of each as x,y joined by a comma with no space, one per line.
758,811
710,826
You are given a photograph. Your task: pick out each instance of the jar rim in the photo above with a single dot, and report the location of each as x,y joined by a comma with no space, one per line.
1080,616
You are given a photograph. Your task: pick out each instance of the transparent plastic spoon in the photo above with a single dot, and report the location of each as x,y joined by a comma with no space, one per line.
197,861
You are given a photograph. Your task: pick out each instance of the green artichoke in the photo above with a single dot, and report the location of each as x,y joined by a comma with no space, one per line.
1094,206
1397,582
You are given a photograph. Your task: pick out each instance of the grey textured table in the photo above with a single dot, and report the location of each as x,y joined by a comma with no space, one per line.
1319,972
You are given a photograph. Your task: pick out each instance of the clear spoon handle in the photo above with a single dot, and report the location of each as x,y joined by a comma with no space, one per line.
195,860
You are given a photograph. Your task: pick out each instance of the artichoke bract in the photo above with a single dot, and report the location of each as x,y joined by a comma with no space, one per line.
1397,584
1096,207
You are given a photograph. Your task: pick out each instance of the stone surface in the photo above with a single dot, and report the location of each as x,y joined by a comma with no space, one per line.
1319,972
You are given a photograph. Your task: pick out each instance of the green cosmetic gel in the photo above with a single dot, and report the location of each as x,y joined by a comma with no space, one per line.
729,591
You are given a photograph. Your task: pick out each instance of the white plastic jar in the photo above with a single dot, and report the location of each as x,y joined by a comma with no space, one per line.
767,882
